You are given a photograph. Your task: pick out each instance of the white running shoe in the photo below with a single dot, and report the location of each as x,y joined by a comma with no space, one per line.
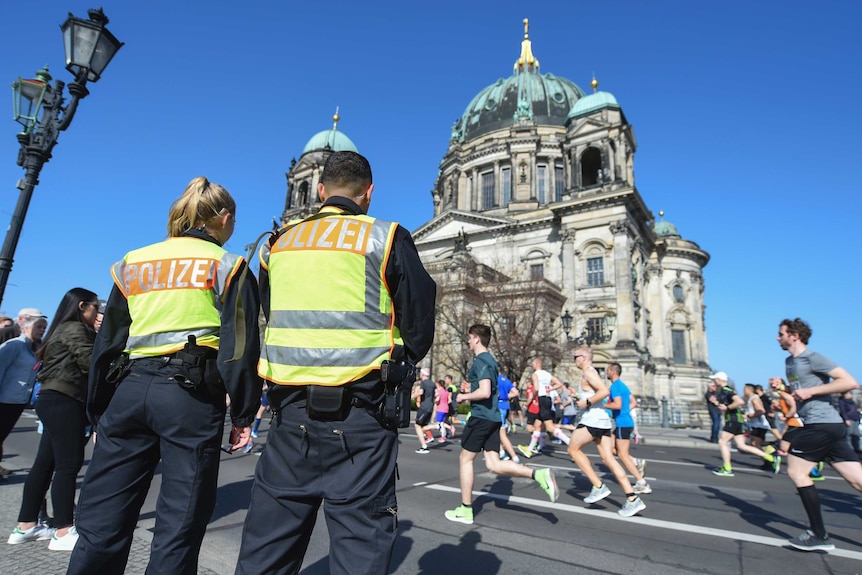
597,494
632,507
642,488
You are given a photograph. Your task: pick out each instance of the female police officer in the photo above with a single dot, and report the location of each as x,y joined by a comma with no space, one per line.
171,404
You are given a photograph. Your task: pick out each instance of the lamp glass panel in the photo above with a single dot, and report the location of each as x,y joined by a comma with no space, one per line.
83,45
27,100
105,50
67,42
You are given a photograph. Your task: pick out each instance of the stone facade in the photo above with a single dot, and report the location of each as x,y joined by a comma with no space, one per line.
537,216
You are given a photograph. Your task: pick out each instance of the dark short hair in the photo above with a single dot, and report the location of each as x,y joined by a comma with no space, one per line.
347,170
483,331
758,388
616,367
799,327
752,386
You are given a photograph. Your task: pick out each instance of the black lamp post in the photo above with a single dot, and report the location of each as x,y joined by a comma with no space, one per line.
567,318
89,48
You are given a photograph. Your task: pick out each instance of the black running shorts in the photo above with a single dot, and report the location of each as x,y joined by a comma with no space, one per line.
546,412
734,427
423,417
596,432
822,442
481,435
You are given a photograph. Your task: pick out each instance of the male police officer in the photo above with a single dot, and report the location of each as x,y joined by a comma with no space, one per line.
342,292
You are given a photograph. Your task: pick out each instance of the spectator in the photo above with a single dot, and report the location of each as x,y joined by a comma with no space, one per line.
715,414
17,364
65,355
850,414
13,330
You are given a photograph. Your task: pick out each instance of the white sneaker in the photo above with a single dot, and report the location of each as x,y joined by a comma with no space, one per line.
642,488
66,542
37,533
631,507
597,494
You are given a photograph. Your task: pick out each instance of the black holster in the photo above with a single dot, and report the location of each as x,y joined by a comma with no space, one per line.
199,371
397,377
118,369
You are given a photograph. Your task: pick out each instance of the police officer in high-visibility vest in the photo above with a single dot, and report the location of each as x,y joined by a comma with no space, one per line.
180,330
343,293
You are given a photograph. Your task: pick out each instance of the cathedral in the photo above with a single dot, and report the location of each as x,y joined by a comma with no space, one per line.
539,231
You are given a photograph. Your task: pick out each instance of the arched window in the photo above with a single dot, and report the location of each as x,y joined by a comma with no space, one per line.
678,294
302,198
591,166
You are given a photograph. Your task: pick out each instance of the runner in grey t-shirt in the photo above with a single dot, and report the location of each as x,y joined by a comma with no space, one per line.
813,378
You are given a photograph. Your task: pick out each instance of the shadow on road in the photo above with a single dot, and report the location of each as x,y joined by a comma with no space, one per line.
505,486
754,514
466,556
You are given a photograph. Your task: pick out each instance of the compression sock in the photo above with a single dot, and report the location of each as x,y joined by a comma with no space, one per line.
534,440
560,434
256,424
811,503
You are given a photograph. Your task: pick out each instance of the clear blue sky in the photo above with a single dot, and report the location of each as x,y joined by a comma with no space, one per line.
743,111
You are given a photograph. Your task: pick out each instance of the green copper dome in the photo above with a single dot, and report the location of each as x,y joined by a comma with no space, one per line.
593,103
665,229
330,140
526,95
540,98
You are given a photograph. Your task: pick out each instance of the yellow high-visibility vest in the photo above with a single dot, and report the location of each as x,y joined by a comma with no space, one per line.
331,319
174,288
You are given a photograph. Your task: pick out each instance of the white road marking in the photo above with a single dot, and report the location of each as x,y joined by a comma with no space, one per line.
672,525
538,463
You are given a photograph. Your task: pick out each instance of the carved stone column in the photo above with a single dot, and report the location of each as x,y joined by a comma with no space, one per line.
498,187
567,240
625,332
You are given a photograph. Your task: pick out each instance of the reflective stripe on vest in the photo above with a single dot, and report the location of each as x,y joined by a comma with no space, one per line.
331,318
174,289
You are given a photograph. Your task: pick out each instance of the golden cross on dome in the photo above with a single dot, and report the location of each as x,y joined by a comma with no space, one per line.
526,60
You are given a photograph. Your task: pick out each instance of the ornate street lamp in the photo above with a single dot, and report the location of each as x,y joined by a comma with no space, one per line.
89,48
566,319
27,96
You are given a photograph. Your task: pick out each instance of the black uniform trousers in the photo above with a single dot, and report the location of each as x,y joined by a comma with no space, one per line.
349,466
150,418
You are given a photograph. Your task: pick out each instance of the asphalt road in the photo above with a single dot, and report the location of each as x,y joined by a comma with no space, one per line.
695,522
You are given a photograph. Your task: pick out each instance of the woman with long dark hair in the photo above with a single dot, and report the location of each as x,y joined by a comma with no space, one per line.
65,353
